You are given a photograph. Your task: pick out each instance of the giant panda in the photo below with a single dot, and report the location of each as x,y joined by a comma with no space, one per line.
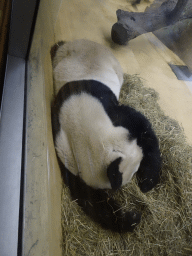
100,144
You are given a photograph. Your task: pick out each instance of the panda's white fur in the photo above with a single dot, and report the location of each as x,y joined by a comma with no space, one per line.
85,60
88,142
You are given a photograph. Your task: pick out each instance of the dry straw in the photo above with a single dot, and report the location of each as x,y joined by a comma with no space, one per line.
166,224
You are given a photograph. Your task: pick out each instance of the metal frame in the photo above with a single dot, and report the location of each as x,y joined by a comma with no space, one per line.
12,127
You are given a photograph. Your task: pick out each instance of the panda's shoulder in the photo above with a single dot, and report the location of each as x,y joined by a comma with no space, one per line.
93,88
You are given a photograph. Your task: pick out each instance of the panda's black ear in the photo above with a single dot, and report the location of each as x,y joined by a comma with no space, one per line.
114,175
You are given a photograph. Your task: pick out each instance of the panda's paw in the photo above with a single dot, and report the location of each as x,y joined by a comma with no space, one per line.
133,219
136,218
147,184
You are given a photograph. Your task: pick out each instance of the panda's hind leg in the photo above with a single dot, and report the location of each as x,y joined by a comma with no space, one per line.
54,49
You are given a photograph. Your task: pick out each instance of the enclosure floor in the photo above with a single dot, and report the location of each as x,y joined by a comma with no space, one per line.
145,56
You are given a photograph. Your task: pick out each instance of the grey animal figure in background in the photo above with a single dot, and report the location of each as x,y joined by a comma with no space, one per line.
129,25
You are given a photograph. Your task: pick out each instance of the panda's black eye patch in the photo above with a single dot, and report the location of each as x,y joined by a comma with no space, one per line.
114,175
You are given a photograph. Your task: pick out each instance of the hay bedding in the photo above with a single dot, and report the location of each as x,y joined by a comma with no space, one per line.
166,224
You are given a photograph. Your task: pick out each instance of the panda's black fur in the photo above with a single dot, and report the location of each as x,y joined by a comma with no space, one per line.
96,203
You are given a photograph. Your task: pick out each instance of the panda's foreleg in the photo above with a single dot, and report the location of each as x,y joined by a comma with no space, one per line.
98,205
149,171
140,129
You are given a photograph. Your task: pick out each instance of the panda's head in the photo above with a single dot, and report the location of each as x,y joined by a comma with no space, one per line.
121,170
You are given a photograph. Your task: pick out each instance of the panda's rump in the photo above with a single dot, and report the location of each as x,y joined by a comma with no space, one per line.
86,60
